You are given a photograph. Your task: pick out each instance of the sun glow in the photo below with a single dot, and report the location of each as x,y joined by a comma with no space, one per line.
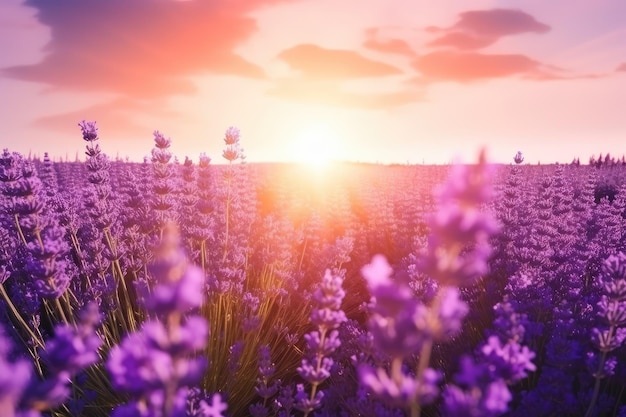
316,146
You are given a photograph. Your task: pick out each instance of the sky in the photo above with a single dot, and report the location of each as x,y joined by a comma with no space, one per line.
388,81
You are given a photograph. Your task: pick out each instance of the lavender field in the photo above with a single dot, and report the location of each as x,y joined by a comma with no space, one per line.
221,288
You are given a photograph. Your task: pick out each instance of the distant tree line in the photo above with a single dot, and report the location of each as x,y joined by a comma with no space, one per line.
603,161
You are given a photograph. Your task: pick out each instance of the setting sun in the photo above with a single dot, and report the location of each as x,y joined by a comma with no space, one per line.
316,146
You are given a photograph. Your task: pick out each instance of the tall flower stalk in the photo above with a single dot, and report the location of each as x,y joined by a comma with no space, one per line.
231,153
105,248
611,333
317,365
163,188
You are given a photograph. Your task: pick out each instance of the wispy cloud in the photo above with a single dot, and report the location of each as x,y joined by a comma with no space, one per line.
313,61
330,93
120,116
376,41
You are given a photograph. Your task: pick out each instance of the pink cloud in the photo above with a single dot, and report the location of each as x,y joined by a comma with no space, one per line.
621,67
140,47
387,45
117,115
467,67
314,61
462,40
480,28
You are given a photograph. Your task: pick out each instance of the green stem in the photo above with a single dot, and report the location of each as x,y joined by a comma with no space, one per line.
427,348
318,365
619,400
598,375
36,339
19,317
19,230
61,310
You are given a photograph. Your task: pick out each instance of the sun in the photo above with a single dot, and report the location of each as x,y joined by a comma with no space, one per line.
316,145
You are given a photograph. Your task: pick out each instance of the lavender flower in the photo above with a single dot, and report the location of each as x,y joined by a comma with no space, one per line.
317,366
401,389
157,362
459,241
14,378
75,348
163,189
457,256
90,130
70,351
231,139
263,388
401,326
612,309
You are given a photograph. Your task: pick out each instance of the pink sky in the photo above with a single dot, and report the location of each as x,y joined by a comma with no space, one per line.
372,80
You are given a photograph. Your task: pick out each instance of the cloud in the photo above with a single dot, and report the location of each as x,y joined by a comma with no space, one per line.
145,48
621,67
463,41
330,94
480,28
118,115
470,66
315,62
386,45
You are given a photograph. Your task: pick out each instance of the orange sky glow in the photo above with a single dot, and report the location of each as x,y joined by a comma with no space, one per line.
367,80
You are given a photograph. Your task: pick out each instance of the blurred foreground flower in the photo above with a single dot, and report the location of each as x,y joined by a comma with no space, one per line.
70,351
402,325
157,364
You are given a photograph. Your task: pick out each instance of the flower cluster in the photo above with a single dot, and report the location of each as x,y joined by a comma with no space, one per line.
401,326
157,364
69,352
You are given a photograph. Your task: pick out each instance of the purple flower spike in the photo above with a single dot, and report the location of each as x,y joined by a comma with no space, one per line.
14,378
215,408
179,286
511,361
317,366
136,369
304,403
232,136
233,150
490,402
266,367
89,130
184,295
402,389
399,323
459,242
73,349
